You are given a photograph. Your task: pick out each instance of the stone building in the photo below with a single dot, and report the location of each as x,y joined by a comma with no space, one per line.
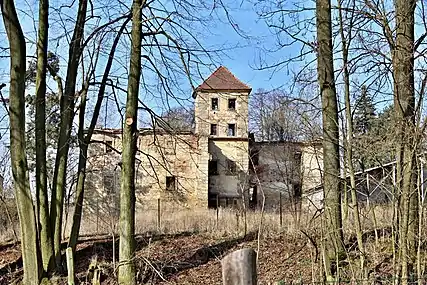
216,164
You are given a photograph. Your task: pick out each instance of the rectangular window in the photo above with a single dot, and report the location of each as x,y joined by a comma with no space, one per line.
214,130
231,130
170,183
170,147
108,146
215,105
213,167
108,184
231,167
232,104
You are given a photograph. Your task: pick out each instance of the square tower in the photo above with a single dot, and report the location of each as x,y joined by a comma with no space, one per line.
221,115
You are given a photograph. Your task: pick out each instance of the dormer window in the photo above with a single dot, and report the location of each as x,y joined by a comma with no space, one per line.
214,104
232,104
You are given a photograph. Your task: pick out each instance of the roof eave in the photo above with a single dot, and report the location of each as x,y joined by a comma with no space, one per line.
205,90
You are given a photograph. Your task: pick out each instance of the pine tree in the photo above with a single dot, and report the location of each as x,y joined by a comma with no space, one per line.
364,113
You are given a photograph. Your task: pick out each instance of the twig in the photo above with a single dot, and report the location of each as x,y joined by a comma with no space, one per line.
154,269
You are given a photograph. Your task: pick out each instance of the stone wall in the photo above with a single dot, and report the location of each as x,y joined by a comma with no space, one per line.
226,182
223,116
311,165
276,172
169,167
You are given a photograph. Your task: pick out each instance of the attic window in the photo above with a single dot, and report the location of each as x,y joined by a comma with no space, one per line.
108,146
214,104
232,104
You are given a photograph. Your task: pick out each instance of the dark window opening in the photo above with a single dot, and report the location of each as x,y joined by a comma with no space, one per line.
215,105
297,191
214,130
170,183
109,184
253,199
212,200
108,146
232,104
213,167
231,167
231,130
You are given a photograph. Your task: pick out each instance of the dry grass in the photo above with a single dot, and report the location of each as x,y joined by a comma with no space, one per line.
227,222
9,221
224,223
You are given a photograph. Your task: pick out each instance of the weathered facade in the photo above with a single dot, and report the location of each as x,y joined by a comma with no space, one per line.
214,165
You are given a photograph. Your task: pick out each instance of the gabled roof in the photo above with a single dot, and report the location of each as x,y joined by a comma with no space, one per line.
222,80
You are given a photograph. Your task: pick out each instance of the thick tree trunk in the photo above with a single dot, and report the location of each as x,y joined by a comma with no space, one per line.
85,140
331,167
67,114
130,137
24,201
404,102
45,234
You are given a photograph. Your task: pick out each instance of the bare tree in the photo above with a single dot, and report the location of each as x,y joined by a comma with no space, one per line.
42,202
67,114
130,137
331,169
17,141
346,38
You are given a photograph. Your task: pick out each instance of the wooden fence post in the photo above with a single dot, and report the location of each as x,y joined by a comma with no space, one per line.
280,209
217,211
70,265
158,214
239,268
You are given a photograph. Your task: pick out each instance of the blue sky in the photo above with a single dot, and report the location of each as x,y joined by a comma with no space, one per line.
252,35
243,61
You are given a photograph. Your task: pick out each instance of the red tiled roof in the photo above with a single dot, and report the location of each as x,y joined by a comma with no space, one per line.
223,79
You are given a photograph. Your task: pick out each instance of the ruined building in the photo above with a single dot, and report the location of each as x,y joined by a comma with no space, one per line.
217,164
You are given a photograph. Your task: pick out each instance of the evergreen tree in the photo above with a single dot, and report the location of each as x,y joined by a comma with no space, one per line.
364,113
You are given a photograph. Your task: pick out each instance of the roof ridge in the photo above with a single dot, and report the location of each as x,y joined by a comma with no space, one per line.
234,76
222,79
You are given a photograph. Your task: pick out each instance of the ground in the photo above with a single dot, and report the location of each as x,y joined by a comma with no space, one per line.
188,258
185,258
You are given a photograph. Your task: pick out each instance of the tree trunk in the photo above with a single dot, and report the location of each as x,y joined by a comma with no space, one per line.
19,165
85,140
331,167
67,114
349,137
130,137
404,103
46,245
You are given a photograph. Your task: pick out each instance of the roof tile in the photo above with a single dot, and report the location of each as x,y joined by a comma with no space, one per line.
222,79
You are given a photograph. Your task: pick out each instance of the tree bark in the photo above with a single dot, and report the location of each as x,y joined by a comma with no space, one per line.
349,145
130,137
85,140
331,167
46,245
19,165
404,103
67,114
